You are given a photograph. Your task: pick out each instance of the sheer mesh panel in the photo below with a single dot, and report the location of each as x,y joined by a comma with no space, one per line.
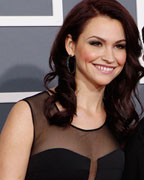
94,145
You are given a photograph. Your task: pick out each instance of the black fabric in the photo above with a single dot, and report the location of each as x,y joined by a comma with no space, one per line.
71,153
134,152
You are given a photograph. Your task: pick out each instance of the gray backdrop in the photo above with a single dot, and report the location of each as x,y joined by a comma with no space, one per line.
24,51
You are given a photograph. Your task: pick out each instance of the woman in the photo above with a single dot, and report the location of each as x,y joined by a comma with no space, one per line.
75,130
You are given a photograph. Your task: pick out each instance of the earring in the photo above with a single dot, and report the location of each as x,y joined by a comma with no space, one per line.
71,64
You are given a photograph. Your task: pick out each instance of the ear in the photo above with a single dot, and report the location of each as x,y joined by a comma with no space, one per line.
70,45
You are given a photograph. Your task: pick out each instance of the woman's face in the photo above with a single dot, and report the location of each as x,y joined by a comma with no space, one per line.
100,51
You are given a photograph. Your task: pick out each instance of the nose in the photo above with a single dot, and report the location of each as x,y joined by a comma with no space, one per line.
108,55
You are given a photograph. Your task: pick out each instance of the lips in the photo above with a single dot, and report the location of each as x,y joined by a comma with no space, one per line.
104,69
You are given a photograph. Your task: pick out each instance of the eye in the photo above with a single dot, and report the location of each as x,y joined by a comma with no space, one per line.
120,46
95,43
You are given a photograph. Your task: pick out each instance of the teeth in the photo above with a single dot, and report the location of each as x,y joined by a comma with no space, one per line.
104,68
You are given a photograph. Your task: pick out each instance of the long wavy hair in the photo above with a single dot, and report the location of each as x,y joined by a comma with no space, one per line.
118,99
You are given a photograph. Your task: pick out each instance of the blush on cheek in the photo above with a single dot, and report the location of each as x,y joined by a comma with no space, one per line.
122,60
87,56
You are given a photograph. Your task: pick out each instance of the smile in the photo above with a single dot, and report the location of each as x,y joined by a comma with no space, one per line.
104,69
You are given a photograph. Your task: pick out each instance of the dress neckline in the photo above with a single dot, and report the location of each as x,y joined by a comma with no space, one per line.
88,130
81,129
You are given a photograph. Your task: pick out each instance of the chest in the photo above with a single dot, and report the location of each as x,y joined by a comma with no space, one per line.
72,153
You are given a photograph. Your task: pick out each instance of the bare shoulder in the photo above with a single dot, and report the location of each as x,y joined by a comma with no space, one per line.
19,118
20,108
15,142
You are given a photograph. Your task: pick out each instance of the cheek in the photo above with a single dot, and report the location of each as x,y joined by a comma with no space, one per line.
122,59
87,56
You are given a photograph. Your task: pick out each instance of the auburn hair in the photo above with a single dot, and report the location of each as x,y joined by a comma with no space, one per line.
118,99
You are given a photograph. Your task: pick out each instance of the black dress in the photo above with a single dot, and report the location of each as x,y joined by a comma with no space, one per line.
134,152
71,153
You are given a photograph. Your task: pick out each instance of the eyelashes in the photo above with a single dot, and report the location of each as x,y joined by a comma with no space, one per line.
100,44
121,46
95,43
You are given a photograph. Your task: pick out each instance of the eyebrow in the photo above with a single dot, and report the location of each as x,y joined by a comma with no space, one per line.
121,40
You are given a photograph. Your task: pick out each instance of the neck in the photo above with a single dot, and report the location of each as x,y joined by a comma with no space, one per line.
90,97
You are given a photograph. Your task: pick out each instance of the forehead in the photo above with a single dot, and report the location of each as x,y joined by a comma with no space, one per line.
104,27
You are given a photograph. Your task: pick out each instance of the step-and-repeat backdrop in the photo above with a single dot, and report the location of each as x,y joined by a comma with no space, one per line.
27,30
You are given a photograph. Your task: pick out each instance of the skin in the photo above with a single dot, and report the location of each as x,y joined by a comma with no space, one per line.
102,43
99,44
15,143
